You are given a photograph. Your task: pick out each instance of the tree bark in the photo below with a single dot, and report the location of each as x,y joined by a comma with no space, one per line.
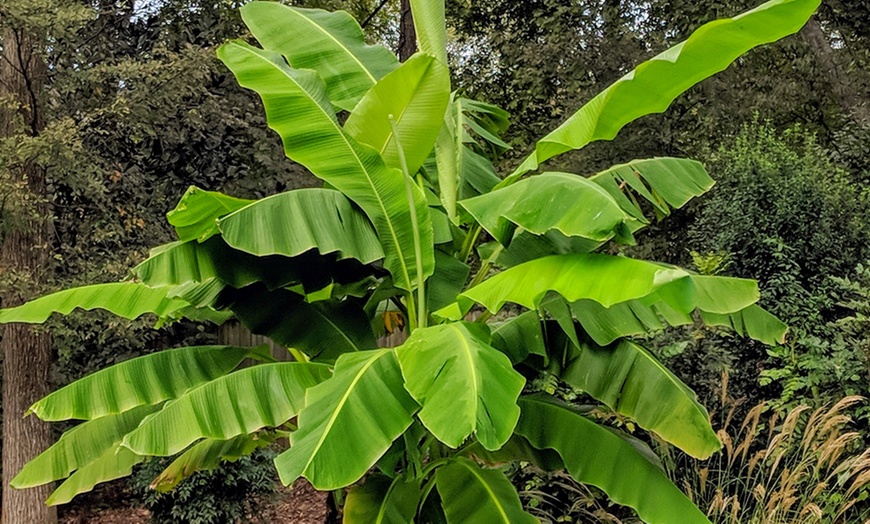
851,100
24,253
407,33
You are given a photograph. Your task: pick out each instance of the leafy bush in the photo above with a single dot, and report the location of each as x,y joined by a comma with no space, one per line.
231,493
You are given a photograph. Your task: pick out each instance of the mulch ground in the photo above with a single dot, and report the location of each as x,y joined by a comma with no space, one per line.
111,505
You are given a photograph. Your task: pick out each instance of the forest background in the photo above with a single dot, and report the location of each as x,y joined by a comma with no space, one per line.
128,106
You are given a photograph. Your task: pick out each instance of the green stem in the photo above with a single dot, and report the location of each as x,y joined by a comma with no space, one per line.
418,249
468,245
485,267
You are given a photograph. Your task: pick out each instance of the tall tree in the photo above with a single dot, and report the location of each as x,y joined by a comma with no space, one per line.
23,256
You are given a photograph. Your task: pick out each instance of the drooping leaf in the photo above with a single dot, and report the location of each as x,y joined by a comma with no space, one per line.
145,380
653,85
520,337
294,222
126,299
600,457
628,379
117,462
652,314
470,493
349,421
195,216
382,500
753,322
331,43
663,182
207,455
79,447
431,27
239,403
609,281
463,384
416,96
567,203
297,109
447,281
323,330
606,279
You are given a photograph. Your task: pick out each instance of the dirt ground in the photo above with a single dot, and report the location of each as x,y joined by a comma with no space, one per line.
299,505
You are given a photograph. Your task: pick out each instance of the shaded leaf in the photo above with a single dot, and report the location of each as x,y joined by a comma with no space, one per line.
600,457
470,493
267,395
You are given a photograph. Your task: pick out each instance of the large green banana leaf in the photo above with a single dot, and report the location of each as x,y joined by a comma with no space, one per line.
416,96
663,182
606,279
195,216
294,222
753,322
637,317
463,384
653,85
330,43
470,493
567,203
79,447
323,330
600,457
628,379
206,455
297,109
431,27
382,500
239,403
145,380
126,299
349,421
179,263
117,462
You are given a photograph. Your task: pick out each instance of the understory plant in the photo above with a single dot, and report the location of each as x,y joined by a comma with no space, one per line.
801,466
415,228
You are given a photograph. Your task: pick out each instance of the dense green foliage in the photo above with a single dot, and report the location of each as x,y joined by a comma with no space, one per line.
158,90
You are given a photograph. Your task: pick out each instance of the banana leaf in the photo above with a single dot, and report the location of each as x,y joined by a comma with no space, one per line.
463,384
207,455
294,222
416,95
653,85
145,380
227,407
628,379
470,493
125,299
349,421
195,216
298,110
330,43
572,205
382,500
593,455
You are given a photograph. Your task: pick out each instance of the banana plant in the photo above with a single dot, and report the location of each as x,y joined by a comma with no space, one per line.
414,227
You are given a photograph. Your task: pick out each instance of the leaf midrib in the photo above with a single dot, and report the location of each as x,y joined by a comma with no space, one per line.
359,161
489,491
337,42
340,405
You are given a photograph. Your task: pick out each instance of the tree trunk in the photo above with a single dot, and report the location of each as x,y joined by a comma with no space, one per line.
23,256
407,33
851,100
